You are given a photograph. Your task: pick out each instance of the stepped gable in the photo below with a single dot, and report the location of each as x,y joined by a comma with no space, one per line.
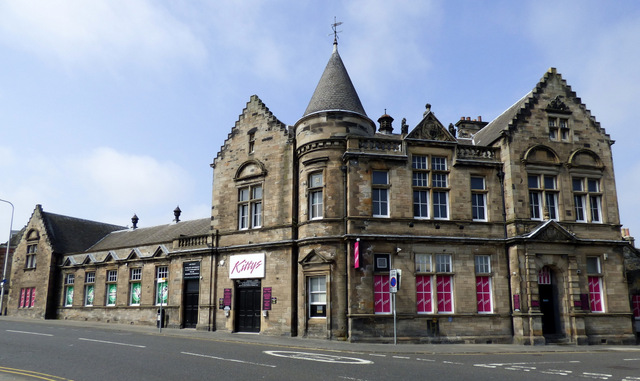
272,121
153,234
522,108
335,91
74,235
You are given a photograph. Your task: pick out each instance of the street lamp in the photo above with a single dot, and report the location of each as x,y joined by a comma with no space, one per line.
6,257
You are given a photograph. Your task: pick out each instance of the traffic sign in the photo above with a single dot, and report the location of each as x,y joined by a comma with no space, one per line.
393,280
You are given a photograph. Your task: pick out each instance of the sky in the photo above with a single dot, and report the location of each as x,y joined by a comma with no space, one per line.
115,107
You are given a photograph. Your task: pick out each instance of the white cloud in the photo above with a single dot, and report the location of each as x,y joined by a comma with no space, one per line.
105,32
121,180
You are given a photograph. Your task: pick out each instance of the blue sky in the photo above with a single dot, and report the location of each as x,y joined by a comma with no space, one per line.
115,107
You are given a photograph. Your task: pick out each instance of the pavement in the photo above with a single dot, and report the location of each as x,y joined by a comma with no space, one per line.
336,345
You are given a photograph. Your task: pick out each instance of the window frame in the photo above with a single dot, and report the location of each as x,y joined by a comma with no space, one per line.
135,286
381,287
250,208
478,194
559,128
430,186
484,284
544,193
315,194
162,271
380,194
595,284
27,297
69,281
587,201
31,257
89,288
312,293
434,283
635,306
252,142
111,284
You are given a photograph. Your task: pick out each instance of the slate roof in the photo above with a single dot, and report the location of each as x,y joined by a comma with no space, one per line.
152,235
492,131
335,90
74,235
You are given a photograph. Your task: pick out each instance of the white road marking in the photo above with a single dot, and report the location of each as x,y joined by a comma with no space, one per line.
425,360
401,357
597,376
319,357
630,359
557,372
451,362
112,342
631,379
30,333
377,355
224,359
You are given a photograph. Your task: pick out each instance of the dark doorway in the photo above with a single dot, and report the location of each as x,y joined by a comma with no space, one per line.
548,293
248,305
191,296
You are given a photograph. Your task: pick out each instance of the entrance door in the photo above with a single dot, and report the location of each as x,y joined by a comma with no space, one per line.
191,296
547,292
248,305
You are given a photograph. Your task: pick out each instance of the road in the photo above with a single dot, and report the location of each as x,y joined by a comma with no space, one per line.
51,350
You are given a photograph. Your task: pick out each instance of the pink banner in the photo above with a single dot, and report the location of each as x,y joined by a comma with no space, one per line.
356,254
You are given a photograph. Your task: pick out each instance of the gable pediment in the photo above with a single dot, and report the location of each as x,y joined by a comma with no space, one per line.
551,231
89,259
135,254
111,257
69,261
161,250
316,258
430,128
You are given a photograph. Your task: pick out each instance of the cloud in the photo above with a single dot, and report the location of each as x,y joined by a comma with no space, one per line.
105,32
121,180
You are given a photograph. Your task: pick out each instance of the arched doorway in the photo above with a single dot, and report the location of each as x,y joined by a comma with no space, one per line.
548,293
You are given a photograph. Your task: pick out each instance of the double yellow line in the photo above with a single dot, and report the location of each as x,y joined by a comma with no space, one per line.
31,374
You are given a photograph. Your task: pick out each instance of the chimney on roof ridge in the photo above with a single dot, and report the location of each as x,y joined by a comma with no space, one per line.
176,213
134,221
467,127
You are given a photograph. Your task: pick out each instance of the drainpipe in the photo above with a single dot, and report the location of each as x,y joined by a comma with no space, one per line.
345,170
295,192
506,248
213,282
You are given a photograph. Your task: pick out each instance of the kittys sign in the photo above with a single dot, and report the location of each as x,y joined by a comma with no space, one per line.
246,266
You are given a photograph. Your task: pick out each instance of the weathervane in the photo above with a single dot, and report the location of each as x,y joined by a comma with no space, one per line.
335,26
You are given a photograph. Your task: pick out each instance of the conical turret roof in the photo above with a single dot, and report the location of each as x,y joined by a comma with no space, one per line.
335,90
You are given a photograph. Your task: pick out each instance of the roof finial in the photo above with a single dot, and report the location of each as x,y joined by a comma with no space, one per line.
334,26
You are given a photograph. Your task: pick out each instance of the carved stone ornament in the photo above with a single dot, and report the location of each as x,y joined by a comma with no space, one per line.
558,105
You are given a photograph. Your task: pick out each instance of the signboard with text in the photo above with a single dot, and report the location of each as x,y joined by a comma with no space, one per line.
246,266
192,270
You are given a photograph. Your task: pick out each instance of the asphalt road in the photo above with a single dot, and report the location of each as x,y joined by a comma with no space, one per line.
54,350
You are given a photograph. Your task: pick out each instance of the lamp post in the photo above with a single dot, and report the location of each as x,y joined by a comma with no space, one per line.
6,257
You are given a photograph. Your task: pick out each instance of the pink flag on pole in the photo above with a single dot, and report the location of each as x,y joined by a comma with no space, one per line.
356,254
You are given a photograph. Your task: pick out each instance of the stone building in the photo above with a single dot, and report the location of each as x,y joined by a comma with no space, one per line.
504,231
